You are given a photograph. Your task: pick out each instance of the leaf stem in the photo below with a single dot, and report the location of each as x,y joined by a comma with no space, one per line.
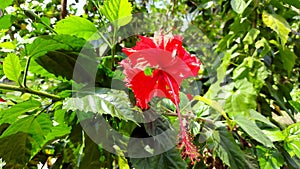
28,90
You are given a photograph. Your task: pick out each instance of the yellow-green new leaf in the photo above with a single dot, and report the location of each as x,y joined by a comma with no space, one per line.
117,11
278,24
12,67
77,26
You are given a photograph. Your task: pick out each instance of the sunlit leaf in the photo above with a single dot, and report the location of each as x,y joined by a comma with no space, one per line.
11,115
243,98
251,36
5,21
113,102
41,46
278,24
292,140
78,26
253,130
239,5
117,11
252,69
12,67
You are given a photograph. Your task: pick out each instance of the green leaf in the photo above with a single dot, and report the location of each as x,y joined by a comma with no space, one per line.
15,150
40,46
12,67
274,134
259,117
277,24
296,105
251,36
295,3
169,159
37,126
5,3
122,161
288,59
292,140
91,158
117,11
239,5
269,158
243,99
254,70
66,64
227,149
5,22
77,26
11,115
252,130
107,101
58,131
265,45
7,45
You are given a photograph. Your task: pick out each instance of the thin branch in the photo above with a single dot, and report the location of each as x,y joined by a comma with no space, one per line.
28,90
25,73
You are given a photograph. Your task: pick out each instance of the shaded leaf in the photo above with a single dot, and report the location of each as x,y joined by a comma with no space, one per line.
91,158
66,64
269,158
288,59
170,159
295,3
277,24
12,67
227,149
78,26
37,126
16,149
117,11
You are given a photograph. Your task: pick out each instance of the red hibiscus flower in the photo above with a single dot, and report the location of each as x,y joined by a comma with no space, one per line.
155,68
170,64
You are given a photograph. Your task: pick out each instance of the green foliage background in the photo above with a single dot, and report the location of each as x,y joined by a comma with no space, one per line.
244,116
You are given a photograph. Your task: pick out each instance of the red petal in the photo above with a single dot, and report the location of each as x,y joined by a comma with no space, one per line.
156,85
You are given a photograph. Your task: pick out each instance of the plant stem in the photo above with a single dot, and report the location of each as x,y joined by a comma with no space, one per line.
25,73
216,106
28,90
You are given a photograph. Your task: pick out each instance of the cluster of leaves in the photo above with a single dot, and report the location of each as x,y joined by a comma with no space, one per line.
244,116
